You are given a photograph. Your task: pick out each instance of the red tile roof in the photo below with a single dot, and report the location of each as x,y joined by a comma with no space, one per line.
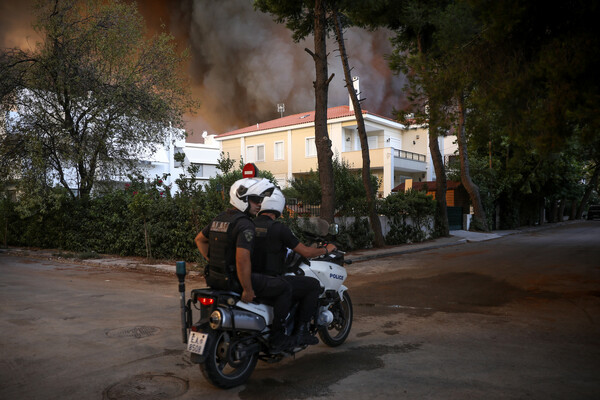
302,118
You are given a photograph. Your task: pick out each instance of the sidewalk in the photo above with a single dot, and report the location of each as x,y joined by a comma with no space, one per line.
457,237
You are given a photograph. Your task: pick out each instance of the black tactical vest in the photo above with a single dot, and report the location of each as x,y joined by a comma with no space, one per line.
269,252
222,273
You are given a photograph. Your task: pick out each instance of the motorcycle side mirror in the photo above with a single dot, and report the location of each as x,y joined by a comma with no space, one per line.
334,229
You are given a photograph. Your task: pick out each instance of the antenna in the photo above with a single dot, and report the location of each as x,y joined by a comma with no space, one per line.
280,108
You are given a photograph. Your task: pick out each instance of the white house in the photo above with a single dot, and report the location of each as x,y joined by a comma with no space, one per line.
163,161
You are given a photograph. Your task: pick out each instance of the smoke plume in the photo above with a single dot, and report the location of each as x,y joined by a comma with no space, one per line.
243,63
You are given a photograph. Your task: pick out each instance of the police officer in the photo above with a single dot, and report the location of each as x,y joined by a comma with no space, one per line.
273,238
227,243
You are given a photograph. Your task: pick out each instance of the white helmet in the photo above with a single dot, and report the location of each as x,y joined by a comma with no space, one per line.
243,188
274,203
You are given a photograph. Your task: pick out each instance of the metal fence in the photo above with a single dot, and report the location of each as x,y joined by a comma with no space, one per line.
304,210
409,156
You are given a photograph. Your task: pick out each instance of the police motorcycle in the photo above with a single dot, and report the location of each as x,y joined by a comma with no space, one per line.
227,337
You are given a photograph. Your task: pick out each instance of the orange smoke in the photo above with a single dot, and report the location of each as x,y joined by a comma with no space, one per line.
242,63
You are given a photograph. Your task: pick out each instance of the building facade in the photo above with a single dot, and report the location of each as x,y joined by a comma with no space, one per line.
176,155
286,146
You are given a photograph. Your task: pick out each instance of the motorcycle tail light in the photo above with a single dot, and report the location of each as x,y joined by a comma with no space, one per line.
206,301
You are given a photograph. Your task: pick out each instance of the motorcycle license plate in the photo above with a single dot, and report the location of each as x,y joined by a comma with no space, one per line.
196,342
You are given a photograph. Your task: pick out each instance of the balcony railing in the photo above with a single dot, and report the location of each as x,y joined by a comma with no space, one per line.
409,156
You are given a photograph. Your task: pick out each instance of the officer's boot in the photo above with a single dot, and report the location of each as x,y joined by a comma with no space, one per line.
304,337
280,341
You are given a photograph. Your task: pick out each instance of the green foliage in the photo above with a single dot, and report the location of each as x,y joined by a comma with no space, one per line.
306,188
357,235
297,15
140,218
410,215
350,192
7,215
518,179
532,100
94,93
528,80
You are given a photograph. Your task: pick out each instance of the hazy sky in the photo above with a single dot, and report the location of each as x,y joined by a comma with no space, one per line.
243,63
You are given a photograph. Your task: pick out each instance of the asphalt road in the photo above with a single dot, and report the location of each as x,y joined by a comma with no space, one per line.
511,318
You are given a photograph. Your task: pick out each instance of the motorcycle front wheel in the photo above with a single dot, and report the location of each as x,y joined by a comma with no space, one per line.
221,366
336,333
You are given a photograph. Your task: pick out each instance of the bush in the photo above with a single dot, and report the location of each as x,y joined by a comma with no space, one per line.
350,192
140,218
410,214
143,219
357,235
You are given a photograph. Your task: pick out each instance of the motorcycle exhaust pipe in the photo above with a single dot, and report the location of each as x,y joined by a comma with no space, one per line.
180,272
223,318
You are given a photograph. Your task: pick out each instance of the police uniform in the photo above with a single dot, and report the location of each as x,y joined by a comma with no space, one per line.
273,238
228,231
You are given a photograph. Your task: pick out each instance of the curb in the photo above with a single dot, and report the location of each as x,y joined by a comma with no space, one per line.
110,262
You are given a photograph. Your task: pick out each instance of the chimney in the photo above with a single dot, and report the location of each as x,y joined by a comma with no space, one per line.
356,90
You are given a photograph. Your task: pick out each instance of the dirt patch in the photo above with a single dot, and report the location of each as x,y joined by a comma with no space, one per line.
296,380
453,292
152,387
448,256
137,332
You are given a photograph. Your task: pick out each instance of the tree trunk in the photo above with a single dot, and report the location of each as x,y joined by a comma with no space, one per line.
362,134
322,142
588,191
5,241
541,210
553,217
441,212
561,209
442,227
573,212
479,219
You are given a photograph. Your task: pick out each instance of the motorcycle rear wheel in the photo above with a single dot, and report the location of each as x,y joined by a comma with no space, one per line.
221,368
337,332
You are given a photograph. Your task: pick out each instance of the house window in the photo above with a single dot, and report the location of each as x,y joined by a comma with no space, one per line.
278,151
204,170
372,141
250,154
311,148
199,169
260,152
255,153
452,160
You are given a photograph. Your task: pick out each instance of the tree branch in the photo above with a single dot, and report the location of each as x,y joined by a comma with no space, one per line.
310,52
329,80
